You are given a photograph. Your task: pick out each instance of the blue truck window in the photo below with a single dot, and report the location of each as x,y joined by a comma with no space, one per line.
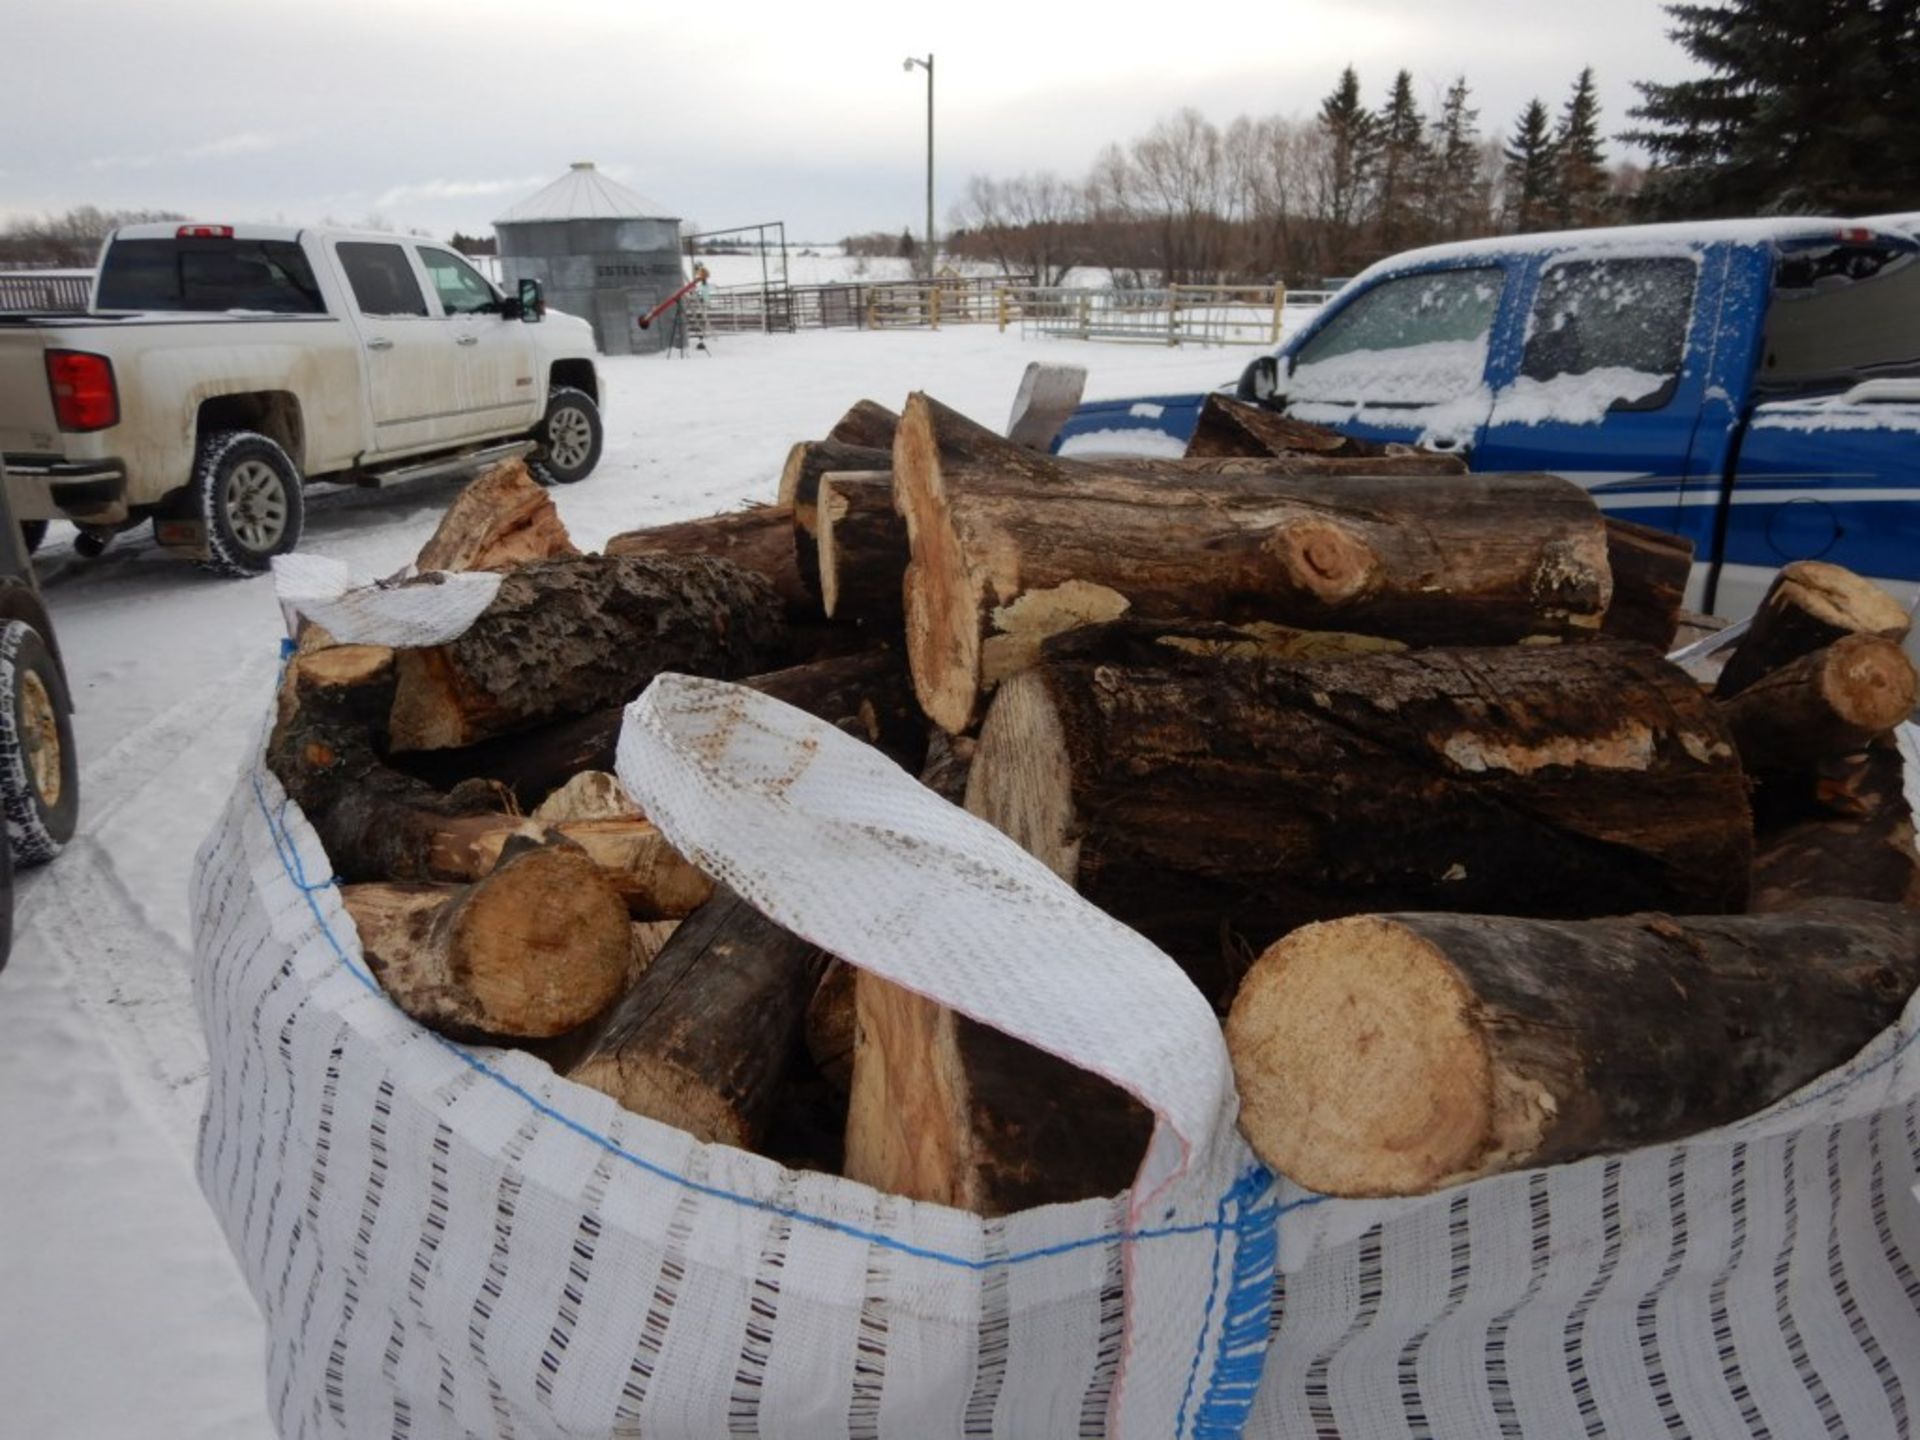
1841,314
1411,340
1620,321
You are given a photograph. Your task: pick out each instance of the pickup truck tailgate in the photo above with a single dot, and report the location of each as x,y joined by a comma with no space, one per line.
26,406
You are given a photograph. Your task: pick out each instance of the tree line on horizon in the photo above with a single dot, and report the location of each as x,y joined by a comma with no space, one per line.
1803,106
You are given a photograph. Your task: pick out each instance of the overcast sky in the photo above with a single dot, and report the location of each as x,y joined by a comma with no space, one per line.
441,115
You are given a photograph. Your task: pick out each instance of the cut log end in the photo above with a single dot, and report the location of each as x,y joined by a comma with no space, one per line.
544,938
1391,1090
1842,599
1868,682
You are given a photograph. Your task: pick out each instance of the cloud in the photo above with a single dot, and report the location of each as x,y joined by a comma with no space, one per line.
456,189
247,142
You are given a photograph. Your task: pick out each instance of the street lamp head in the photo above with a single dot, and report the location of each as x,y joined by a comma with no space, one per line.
907,64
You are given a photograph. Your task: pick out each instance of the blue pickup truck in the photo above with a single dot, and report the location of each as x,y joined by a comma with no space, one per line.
1753,385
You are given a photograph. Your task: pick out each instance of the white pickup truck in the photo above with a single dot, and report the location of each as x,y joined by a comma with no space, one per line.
222,367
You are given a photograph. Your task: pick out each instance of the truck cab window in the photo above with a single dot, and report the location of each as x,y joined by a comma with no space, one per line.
1841,314
460,287
382,280
1412,340
203,274
1621,321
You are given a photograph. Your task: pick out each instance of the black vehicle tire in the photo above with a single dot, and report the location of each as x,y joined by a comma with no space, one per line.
249,494
569,438
39,768
33,533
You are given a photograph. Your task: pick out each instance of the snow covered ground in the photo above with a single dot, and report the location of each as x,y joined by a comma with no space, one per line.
121,1313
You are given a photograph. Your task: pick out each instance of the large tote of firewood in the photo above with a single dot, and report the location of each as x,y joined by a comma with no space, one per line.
1386,755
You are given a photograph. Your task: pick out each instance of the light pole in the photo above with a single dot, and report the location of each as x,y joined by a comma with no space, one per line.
926,65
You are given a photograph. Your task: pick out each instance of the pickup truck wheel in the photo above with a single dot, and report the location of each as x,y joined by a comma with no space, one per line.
248,493
33,532
569,438
39,771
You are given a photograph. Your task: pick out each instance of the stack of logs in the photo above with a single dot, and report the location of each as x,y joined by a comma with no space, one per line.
1384,754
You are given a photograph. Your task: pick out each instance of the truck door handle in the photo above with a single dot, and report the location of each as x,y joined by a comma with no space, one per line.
379,342
467,340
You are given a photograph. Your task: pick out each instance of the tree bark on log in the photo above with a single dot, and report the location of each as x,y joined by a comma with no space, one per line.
862,544
1650,573
866,694
535,949
503,519
703,1041
831,1024
867,423
1849,833
945,1109
759,538
1810,605
1010,548
1233,427
1216,803
1400,1054
565,637
1826,704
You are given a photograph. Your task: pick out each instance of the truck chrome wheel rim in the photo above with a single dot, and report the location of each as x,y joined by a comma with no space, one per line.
42,735
569,438
256,505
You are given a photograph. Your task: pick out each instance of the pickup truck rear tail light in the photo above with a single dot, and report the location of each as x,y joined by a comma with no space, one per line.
204,232
84,395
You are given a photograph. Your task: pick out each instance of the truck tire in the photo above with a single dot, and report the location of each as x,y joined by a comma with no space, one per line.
33,533
248,492
39,770
569,438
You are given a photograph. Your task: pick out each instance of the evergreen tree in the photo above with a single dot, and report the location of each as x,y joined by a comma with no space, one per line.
1459,202
1347,168
1531,163
1403,167
1580,180
1806,105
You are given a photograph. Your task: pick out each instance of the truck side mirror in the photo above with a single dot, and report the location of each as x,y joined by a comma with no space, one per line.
1260,381
532,304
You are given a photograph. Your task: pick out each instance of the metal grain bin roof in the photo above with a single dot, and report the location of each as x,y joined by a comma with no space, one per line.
583,193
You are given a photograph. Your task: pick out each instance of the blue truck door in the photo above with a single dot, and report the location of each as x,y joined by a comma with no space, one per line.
1828,464
1605,382
1406,358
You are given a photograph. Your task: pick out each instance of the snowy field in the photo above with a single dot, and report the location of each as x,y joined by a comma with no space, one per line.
123,1315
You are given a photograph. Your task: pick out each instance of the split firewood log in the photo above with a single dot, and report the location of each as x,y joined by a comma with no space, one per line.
1010,549
945,1109
1810,605
539,946
565,637
1650,572
502,519
866,693
590,795
862,550
1827,703
1400,1054
758,538
868,424
704,1039
1850,835
800,493
1214,802
1233,427
652,878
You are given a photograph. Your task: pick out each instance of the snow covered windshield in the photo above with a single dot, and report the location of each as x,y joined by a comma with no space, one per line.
1840,314
1412,340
